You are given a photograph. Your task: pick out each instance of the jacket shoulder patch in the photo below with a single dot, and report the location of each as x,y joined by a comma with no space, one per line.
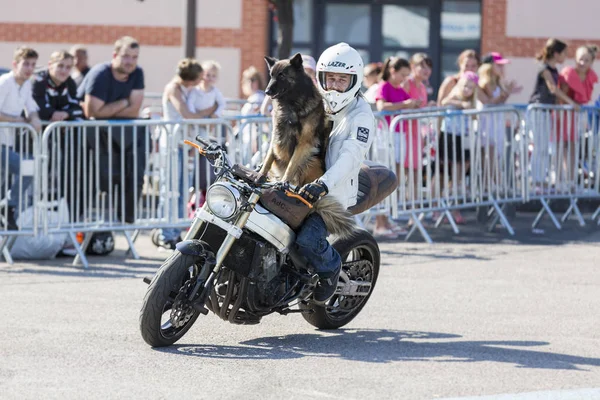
362,134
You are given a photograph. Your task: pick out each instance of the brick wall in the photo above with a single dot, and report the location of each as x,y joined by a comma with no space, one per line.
494,37
251,39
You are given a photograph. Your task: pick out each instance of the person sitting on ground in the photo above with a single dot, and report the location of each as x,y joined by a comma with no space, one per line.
16,100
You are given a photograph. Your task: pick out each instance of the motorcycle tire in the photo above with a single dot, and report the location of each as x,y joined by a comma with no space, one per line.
324,317
159,298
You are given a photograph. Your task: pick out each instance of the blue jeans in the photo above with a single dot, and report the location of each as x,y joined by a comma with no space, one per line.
14,170
312,243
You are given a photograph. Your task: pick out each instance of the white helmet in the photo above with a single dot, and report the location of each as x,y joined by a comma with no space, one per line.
342,59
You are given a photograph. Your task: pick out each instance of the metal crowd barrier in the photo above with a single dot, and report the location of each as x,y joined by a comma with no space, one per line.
128,176
451,160
19,184
563,155
122,176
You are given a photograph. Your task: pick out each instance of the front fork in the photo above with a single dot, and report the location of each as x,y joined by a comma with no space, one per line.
234,232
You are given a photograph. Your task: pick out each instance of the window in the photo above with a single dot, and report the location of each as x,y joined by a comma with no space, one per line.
350,23
303,10
461,24
405,26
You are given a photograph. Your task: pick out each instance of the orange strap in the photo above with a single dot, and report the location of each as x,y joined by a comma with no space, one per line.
196,145
298,197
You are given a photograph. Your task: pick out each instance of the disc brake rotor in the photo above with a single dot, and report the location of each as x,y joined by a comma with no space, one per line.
182,310
360,271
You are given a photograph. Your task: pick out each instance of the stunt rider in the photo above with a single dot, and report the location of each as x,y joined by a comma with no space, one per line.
339,77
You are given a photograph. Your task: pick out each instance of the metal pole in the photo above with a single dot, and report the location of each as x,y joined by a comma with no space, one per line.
189,35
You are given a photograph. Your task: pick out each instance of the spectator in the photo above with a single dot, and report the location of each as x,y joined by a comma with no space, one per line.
391,97
206,94
508,87
115,90
55,92
175,96
81,64
421,66
468,60
578,83
253,90
310,67
16,100
371,81
453,145
547,91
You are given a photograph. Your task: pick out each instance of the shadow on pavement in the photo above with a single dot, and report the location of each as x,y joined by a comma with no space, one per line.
384,346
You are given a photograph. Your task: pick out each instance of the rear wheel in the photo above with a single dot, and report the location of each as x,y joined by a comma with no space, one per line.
166,313
360,269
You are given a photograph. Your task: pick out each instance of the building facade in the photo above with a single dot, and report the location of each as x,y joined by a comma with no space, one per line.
238,33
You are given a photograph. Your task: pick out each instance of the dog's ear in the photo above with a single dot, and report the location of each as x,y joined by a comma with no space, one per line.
270,61
296,61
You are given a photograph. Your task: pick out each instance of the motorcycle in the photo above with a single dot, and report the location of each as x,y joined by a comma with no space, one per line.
256,269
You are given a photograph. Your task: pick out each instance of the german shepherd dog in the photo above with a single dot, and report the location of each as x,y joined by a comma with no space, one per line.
300,136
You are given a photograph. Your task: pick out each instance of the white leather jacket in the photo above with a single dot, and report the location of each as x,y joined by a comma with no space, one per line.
349,141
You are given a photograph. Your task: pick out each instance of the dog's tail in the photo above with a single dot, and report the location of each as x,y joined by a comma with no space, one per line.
338,220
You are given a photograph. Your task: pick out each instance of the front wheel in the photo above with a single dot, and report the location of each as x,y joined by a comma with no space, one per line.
360,269
166,313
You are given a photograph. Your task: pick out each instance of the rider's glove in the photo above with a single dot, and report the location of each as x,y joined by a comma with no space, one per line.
313,191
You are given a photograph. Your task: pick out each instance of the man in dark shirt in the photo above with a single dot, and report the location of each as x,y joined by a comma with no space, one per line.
115,91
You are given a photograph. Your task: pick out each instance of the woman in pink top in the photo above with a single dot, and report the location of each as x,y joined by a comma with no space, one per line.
391,97
580,80
578,83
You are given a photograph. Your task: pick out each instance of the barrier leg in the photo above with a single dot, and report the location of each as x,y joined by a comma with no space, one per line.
417,224
447,214
573,208
80,249
596,215
500,215
5,251
136,233
546,209
134,252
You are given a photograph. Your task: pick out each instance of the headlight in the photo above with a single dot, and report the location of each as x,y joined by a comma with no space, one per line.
223,200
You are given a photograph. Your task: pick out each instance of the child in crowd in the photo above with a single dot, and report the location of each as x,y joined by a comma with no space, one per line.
206,93
391,97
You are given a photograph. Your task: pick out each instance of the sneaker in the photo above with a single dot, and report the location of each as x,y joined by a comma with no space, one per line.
326,287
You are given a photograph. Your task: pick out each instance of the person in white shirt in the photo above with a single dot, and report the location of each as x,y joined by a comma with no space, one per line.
16,105
206,94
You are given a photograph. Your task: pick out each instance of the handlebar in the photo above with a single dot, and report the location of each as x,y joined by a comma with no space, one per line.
203,141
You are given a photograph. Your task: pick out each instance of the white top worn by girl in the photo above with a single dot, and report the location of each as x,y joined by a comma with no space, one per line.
14,99
199,99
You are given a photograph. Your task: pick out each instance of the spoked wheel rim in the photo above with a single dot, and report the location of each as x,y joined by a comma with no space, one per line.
177,311
357,266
